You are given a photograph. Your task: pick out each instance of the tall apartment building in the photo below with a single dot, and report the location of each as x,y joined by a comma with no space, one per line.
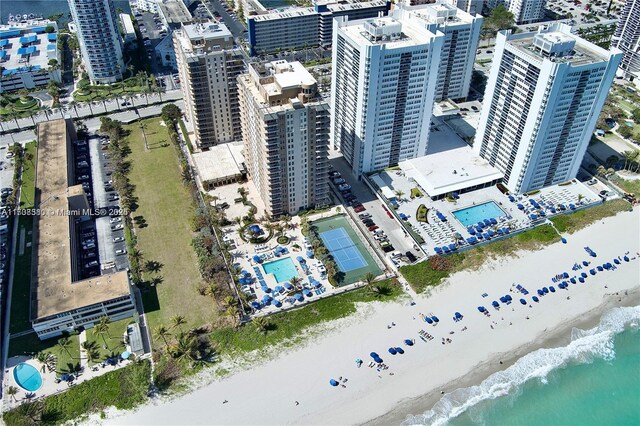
285,128
472,7
208,63
627,39
99,39
545,92
461,36
299,27
384,84
526,11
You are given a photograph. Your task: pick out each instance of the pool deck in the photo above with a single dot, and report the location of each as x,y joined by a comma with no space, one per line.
437,233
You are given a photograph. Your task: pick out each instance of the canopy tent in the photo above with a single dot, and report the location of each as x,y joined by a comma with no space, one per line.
125,355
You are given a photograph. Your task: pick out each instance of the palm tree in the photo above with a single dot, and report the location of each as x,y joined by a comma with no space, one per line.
12,391
232,311
295,281
162,332
261,324
215,199
64,344
74,105
47,360
185,347
93,356
178,321
399,193
368,279
136,256
229,301
102,328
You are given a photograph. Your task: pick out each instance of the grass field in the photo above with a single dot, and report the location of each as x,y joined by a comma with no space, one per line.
22,274
124,388
30,343
165,205
631,186
578,220
114,339
290,324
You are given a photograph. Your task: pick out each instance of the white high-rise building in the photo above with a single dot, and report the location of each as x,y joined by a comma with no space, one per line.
99,39
470,6
526,11
285,128
383,88
208,63
545,92
627,39
461,36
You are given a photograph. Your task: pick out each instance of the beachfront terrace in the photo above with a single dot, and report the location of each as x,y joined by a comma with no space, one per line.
445,227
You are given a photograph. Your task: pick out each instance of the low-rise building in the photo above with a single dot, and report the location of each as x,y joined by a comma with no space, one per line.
128,32
26,50
60,301
220,165
302,27
145,5
285,129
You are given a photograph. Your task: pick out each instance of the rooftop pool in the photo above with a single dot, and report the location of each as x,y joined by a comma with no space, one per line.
474,214
27,377
282,269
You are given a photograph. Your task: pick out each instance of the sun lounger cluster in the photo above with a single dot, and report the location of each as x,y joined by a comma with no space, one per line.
279,251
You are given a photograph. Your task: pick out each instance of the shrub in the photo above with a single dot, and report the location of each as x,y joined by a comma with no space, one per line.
415,193
421,214
282,239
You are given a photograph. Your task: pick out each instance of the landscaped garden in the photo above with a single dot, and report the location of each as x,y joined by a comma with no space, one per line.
17,106
421,214
133,85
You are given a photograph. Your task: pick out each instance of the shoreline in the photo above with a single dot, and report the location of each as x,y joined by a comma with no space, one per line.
556,338
293,386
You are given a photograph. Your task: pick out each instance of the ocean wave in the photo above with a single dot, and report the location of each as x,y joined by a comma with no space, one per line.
585,346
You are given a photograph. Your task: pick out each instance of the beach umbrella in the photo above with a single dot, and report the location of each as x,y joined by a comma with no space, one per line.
509,298
437,250
564,240
616,261
535,299
503,299
125,355
592,271
540,292
487,222
333,382
374,355
288,286
520,207
307,292
428,320
495,304
257,258
255,305
585,263
626,258
573,280
481,308
400,350
524,302
435,319
493,221
276,303
551,289
471,230
581,279
584,275
266,289
512,198
545,290
565,275
408,342
298,297
392,351
278,289
458,315
600,268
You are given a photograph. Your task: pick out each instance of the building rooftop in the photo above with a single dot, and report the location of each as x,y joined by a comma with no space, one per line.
175,12
203,38
26,46
557,44
386,31
450,165
219,162
340,6
53,291
127,24
286,13
435,13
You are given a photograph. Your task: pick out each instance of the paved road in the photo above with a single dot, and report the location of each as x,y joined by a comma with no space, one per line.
235,26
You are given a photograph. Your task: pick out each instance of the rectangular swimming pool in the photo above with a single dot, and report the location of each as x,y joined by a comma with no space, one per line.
475,214
282,269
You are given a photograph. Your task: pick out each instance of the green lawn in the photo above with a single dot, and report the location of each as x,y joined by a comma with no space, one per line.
124,388
291,324
99,92
21,109
114,339
574,222
29,344
22,274
421,275
165,204
631,186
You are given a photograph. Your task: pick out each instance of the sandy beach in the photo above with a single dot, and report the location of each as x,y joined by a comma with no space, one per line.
293,387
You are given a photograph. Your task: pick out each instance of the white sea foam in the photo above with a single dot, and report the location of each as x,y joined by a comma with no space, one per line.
585,346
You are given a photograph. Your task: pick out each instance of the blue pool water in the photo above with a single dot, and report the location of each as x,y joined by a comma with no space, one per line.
282,269
27,377
475,214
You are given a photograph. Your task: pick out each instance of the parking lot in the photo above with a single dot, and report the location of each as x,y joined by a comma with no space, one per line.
377,223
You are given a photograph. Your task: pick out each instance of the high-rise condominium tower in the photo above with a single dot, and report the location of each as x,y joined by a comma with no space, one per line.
544,94
99,39
461,35
627,38
208,63
383,88
285,128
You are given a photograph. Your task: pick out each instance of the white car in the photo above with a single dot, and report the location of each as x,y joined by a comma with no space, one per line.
115,220
118,239
117,227
120,252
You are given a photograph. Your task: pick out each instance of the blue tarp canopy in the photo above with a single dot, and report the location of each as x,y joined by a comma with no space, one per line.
52,37
300,259
310,254
26,50
256,258
28,39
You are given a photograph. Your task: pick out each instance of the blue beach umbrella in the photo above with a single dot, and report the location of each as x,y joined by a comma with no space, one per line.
481,308
333,382
400,350
524,302
535,299
428,320
581,279
408,342
392,351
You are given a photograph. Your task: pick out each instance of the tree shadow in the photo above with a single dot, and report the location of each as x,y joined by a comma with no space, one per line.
153,266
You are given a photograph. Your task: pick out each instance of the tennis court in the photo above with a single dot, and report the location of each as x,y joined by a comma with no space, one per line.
351,257
343,250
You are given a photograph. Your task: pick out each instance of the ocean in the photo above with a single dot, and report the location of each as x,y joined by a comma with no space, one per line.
45,8
594,380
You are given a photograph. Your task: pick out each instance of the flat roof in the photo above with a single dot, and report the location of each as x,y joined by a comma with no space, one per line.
53,291
450,165
175,11
219,162
127,24
27,47
294,12
412,35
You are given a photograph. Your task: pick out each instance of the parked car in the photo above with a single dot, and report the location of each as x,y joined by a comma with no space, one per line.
339,181
91,264
118,239
117,227
412,258
121,252
359,208
344,187
115,220
364,215
373,227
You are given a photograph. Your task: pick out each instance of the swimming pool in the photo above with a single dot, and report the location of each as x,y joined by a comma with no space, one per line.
475,214
282,269
27,377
